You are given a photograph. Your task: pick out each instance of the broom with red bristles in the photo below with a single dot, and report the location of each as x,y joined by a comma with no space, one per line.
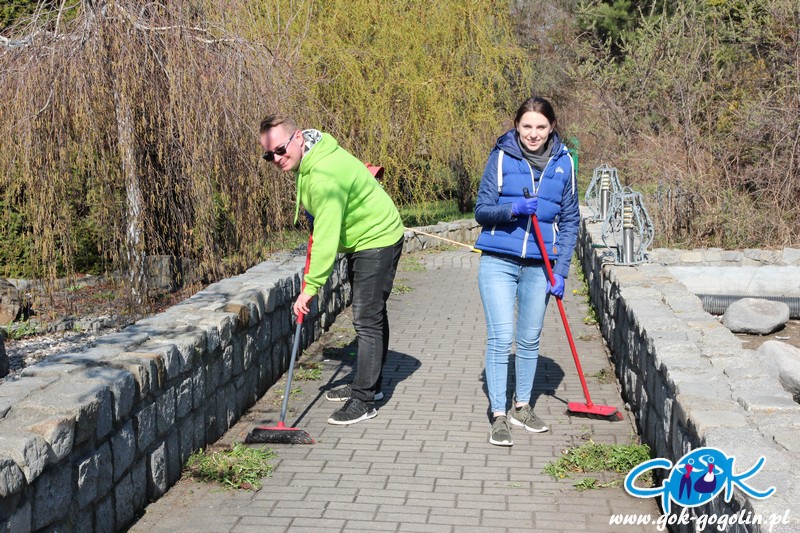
588,408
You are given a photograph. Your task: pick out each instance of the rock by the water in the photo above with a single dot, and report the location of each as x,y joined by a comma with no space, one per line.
783,361
755,316
10,302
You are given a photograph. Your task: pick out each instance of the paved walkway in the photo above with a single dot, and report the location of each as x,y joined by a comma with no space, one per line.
424,464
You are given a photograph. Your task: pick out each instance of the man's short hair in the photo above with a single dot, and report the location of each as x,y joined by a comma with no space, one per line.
276,120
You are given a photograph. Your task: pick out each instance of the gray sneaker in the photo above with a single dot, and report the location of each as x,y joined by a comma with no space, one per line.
342,394
525,417
501,432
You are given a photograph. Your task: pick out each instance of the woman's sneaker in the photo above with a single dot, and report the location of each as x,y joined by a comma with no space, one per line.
342,394
501,432
525,417
354,410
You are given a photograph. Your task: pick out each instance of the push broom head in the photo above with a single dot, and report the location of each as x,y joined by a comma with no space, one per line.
279,434
600,411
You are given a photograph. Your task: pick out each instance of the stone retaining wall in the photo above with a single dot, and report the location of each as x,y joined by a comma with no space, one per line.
88,438
689,383
720,257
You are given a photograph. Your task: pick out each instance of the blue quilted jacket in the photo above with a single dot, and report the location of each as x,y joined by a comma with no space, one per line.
506,174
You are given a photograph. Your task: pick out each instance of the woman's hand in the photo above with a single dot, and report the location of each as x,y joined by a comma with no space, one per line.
524,206
556,290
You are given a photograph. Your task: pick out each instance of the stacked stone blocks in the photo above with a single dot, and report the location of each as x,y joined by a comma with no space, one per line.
688,382
88,438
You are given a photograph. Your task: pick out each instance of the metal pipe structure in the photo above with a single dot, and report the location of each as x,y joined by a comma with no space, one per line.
605,183
627,231
605,194
627,228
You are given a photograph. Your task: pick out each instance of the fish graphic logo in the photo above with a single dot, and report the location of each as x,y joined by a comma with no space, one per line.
696,478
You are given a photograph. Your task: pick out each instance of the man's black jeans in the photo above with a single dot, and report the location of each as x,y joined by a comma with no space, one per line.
371,274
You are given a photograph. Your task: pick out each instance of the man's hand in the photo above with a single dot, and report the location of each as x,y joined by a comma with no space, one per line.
557,289
301,304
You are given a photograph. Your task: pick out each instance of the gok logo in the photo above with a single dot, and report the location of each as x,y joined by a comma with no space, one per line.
698,477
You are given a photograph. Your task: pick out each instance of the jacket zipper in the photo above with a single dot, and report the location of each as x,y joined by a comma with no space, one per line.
535,193
525,242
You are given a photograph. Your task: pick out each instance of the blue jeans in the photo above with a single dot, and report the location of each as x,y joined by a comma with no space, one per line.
503,282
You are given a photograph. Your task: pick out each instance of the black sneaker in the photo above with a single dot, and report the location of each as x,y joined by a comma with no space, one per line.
342,394
354,410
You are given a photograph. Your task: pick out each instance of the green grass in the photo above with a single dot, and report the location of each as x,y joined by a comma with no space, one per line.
108,295
411,264
591,318
595,457
427,213
309,372
604,375
295,392
443,247
19,330
589,483
239,467
400,288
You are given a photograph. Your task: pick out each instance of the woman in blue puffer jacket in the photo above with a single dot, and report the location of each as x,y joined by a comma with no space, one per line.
529,158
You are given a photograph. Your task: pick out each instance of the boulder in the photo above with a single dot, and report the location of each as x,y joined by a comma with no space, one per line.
755,316
783,362
10,302
161,272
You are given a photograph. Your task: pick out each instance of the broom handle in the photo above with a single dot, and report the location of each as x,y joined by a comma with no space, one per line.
296,342
551,277
441,238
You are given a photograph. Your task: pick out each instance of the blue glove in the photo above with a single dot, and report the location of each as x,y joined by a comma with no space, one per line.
310,219
524,206
557,289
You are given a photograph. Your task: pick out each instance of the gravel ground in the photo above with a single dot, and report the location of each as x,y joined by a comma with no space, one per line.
30,350
72,320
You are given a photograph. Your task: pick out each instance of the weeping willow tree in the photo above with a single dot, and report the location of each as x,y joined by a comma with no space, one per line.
423,87
130,129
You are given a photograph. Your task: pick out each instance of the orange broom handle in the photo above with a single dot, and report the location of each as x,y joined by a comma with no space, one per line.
301,316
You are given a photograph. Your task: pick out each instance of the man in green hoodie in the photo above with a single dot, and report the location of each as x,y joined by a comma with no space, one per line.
351,214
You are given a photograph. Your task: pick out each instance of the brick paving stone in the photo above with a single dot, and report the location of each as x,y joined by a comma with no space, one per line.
245,528
378,500
319,480
405,518
472,514
424,463
345,514
426,528
375,485
324,494
372,526
275,522
476,529
520,519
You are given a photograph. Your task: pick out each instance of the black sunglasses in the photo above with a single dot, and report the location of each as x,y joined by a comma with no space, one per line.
279,151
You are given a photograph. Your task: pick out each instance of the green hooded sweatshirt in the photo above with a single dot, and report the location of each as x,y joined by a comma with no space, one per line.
351,210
